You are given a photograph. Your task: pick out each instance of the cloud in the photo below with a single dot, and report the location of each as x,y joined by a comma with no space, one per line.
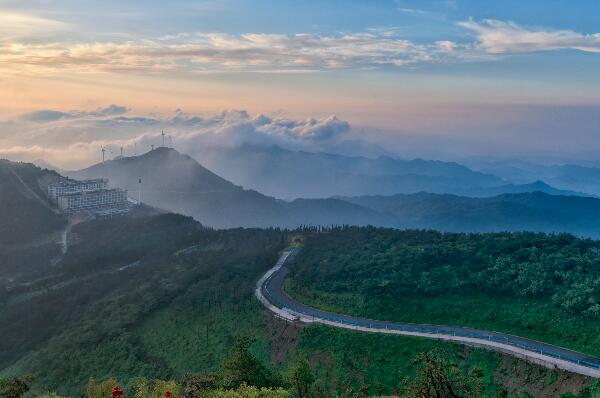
72,139
49,115
215,52
44,116
17,25
508,37
446,46
112,110
201,52
413,11
321,129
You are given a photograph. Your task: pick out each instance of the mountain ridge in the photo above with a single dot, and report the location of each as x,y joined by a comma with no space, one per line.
179,183
530,211
320,174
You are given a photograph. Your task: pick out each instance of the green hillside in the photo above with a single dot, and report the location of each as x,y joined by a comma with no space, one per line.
26,213
82,321
29,225
162,296
546,287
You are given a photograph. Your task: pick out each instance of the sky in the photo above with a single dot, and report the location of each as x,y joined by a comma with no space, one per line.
439,79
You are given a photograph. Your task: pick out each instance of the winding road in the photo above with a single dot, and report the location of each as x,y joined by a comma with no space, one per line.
269,290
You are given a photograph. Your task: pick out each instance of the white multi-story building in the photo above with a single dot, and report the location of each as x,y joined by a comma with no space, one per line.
66,186
90,200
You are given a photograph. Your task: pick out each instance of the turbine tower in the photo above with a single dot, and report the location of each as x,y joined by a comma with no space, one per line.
163,137
140,191
103,150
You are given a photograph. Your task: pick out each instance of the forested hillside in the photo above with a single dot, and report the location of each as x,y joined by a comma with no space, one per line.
546,287
81,320
162,297
26,212
29,225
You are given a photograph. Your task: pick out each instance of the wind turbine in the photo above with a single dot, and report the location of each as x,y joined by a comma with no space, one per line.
163,137
103,150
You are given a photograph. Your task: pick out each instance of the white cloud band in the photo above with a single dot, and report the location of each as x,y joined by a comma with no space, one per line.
508,37
218,51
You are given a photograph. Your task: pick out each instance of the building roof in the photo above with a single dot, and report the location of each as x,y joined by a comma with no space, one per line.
67,182
83,193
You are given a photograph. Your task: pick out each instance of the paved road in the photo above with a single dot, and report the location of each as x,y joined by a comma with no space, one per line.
269,291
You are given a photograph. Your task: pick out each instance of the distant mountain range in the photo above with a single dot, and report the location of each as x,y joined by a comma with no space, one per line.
178,183
533,211
291,174
565,176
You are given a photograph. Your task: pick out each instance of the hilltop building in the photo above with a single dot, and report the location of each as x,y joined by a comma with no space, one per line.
72,196
68,186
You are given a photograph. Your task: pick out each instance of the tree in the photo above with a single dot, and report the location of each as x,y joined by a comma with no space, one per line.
242,367
437,378
195,386
100,390
15,387
302,378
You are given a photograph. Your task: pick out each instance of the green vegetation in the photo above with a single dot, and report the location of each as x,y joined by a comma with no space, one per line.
541,286
242,375
28,225
163,298
344,360
80,321
15,387
26,213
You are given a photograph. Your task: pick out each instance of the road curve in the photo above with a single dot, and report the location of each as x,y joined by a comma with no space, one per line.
269,290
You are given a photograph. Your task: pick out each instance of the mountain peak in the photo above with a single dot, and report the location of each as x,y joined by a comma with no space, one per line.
165,169
161,152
